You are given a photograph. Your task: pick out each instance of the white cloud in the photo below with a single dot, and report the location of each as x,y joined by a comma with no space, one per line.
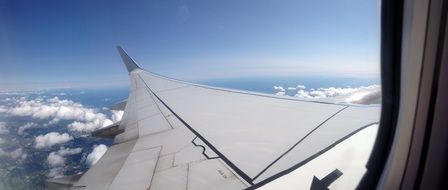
371,96
117,115
325,92
281,93
361,95
279,88
25,127
56,159
300,86
84,119
3,109
3,129
96,123
15,154
56,172
89,126
18,153
52,122
297,87
97,152
69,151
51,139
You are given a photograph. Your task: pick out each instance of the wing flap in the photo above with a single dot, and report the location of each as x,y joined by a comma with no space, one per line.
101,175
119,106
108,132
171,178
137,171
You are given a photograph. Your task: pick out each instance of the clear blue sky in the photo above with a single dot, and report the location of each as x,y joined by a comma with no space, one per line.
71,43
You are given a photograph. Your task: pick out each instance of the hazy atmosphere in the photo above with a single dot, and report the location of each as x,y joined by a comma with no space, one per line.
54,44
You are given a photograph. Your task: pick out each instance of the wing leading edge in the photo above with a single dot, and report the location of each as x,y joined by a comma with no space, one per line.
179,135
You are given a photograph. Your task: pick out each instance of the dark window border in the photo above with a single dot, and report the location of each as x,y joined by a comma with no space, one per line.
391,37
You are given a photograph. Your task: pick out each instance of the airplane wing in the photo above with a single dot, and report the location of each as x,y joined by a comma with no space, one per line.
179,135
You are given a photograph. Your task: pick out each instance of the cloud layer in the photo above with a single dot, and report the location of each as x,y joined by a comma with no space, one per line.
84,119
66,117
361,95
50,139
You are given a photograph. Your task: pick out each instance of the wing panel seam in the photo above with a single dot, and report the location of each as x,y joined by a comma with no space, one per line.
158,107
127,156
225,159
286,171
297,143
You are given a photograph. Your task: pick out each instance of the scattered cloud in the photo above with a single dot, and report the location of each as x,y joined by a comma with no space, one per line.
117,115
89,126
360,95
300,87
57,158
97,152
15,154
84,119
69,151
297,87
28,125
325,92
50,139
96,123
281,93
3,109
366,96
38,111
279,88
55,172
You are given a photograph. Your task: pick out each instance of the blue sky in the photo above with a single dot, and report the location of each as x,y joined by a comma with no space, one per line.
71,43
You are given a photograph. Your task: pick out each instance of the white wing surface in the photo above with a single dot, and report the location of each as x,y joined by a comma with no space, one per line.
179,135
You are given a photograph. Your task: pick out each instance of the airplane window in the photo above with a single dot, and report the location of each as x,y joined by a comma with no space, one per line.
200,94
